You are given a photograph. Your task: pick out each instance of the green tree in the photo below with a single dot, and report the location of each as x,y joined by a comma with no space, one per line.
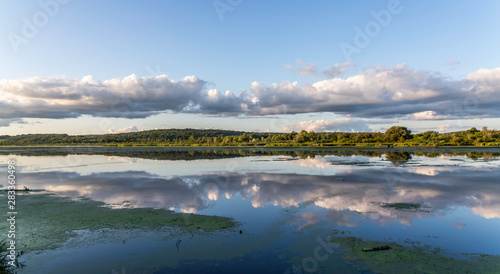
396,133
301,137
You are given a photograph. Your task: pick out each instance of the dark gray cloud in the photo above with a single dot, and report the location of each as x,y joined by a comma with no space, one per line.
7,122
374,93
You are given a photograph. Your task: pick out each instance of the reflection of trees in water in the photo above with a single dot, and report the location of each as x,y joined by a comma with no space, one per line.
398,157
166,153
470,154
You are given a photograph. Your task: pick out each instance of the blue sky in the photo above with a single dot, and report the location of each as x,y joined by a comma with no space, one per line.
430,66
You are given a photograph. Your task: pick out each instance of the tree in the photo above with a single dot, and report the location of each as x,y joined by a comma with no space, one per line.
396,133
430,135
472,130
301,137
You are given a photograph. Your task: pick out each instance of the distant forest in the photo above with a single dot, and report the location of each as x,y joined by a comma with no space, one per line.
394,136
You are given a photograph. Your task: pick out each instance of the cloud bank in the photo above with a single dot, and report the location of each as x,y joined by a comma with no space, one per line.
378,92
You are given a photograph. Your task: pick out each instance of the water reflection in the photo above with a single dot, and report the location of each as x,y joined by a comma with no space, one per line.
364,191
395,155
398,157
284,198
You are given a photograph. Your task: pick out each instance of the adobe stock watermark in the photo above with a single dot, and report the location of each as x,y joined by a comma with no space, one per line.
12,254
321,253
373,28
223,6
32,25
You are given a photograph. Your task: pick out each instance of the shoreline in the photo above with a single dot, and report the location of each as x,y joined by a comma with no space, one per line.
197,146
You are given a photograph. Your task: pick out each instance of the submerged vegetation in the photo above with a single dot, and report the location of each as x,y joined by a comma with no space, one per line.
394,136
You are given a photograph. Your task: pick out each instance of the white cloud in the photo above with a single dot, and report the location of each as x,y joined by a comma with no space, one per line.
337,70
124,130
453,127
128,97
427,115
304,69
217,103
383,92
374,93
343,125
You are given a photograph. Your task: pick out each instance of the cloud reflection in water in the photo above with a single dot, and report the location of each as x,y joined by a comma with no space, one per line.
363,191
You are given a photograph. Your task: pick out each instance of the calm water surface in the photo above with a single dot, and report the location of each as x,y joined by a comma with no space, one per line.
288,203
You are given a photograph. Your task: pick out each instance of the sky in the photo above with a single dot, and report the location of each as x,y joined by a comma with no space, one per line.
96,67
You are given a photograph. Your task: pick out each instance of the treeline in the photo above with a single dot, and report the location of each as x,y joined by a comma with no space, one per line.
394,136
150,137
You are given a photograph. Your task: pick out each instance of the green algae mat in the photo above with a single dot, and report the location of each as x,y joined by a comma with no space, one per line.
45,221
412,258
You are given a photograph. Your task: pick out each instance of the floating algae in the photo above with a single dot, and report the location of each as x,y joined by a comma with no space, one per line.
414,259
45,221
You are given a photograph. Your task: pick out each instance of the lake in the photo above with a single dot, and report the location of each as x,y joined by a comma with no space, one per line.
256,210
